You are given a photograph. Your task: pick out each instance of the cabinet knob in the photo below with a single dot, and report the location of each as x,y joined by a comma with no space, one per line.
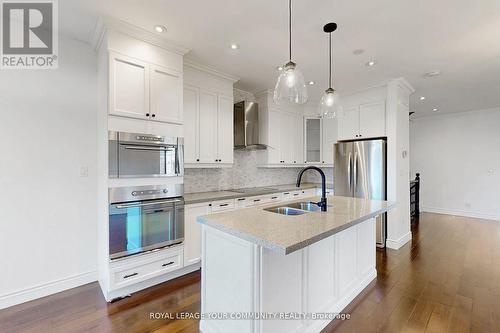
153,115
216,160
197,160
147,114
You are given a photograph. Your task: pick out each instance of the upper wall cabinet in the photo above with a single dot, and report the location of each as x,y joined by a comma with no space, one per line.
143,90
208,114
319,137
281,129
363,121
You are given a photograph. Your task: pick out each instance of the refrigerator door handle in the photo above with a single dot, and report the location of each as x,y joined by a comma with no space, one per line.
349,171
355,169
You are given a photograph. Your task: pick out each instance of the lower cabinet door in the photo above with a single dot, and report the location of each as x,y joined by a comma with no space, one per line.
192,231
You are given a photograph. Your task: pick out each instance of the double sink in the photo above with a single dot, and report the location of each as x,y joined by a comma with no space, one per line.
297,208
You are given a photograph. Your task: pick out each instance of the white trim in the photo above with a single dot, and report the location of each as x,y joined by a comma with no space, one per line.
396,244
46,289
456,212
210,70
104,24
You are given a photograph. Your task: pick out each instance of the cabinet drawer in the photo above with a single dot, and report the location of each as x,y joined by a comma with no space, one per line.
241,202
222,205
130,274
258,200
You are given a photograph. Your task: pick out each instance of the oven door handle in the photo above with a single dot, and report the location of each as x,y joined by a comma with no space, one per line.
147,204
147,148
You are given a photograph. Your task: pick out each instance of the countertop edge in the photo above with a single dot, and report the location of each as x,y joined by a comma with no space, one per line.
293,248
245,195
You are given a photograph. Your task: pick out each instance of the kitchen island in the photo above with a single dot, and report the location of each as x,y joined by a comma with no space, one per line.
293,273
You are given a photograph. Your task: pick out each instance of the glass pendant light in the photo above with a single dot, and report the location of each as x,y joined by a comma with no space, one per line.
290,87
328,104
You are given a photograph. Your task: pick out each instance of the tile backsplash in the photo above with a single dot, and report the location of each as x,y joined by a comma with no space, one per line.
244,173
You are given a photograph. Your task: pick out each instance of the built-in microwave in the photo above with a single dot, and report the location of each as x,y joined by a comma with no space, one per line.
145,155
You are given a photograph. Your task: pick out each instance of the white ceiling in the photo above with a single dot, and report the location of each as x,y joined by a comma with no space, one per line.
461,38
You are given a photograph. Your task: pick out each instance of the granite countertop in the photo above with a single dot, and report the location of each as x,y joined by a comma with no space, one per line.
191,198
284,233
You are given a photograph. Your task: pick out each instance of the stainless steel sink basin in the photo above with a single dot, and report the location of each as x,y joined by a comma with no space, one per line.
310,207
285,210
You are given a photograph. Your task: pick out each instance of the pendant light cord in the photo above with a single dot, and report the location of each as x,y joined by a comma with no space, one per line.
330,59
290,30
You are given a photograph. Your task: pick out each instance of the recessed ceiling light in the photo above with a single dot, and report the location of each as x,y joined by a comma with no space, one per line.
280,68
422,98
432,73
160,28
371,63
358,51
235,46
311,83
435,109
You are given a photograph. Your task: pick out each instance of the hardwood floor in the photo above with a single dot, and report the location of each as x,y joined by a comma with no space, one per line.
446,280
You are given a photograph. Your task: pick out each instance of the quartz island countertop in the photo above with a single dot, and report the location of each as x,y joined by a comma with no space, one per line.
284,233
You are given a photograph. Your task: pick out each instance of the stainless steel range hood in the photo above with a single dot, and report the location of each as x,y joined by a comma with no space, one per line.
246,126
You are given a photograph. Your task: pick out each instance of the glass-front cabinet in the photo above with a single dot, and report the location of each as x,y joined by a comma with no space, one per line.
320,136
312,140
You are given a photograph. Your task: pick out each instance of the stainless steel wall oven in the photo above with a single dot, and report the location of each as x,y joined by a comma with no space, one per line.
145,218
145,155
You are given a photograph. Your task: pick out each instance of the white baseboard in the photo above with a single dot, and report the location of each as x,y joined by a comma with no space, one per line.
396,244
46,289
456,212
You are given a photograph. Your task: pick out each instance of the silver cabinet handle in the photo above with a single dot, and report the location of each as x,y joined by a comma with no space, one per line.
147,148
148,204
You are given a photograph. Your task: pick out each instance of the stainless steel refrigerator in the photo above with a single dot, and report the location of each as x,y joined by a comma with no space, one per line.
360,172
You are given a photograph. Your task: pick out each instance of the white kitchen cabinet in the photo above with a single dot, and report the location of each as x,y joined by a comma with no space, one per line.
349,124
285,139
191,124
165,95
208,114
192,231
225,140
208,127
329,136
363,121
319,137
129,87
142,90
372,120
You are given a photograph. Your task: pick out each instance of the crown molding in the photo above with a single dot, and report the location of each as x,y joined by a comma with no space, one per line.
210,70
104,24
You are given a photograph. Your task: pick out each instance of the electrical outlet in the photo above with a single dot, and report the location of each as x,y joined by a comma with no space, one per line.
84,171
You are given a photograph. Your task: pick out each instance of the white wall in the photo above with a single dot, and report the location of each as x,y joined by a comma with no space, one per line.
48,220
458,158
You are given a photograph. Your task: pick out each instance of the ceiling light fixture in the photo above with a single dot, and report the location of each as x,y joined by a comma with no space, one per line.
160,28
327,107
311,83
435,109
235,46
280,68
422,98
290,86
371,63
